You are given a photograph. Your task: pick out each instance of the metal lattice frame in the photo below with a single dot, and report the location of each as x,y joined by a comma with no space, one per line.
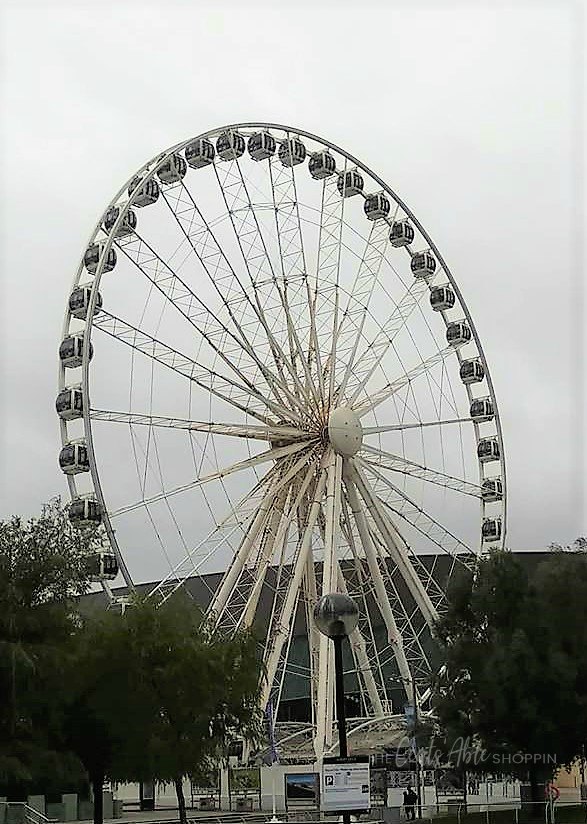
273,301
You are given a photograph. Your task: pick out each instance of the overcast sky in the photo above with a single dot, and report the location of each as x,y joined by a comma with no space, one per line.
471,112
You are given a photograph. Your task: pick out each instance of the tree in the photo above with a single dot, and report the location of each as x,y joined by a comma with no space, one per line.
155,694
515,647
43,568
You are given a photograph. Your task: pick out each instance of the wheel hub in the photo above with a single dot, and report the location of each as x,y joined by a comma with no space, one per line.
345,432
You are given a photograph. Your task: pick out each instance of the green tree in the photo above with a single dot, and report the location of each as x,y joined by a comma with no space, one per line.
515,647
43,569
154,694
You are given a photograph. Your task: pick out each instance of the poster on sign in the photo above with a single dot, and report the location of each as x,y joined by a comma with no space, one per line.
345,784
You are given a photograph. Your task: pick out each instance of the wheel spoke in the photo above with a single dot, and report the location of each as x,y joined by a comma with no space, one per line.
354,316
405,617
221,535
394,386
222,274
270,455
292,261
257,260
233,393
404,506
326,285
235,521
375,430
396,463
371,358
249,432
206,323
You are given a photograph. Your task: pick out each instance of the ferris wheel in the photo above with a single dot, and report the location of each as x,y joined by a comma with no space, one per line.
270,385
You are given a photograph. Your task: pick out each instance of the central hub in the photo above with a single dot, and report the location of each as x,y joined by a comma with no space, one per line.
345,432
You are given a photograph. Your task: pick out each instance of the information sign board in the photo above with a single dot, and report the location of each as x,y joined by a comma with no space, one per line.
346,784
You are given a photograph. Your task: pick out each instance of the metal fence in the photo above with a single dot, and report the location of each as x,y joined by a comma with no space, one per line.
19,812
508,812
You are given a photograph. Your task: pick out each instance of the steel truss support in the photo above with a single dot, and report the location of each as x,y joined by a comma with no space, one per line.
280,626
393,634
388,534
359,585
359,650
325,693
285,514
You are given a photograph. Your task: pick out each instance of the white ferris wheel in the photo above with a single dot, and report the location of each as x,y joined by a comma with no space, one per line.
268,372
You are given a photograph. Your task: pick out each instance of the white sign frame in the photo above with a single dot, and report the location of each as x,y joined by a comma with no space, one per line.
345,785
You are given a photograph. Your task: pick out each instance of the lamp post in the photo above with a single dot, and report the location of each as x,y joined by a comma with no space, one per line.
336,616
401,680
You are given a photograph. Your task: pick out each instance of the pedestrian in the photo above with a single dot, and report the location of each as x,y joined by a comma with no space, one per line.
410,799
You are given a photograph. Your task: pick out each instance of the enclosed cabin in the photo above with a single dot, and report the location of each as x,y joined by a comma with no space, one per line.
172,170
377,206
442,298
292,152
200,153
492,490
69,403
481,409
423,264
71,351
261,145
458,333
74,459
402,233
350,183
491,530
472,371
92,258
230,145
85,512
79,302
321,165
127,225
102,566
488,450
145,192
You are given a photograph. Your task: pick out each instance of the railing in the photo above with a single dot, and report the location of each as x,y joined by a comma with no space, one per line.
508,812
511,811
28,814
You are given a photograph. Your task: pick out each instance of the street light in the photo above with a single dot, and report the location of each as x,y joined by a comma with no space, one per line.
336,616
404,681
